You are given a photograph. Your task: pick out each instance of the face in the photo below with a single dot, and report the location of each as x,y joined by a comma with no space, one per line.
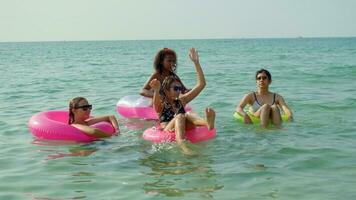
174,90
262,80
169,62
82,110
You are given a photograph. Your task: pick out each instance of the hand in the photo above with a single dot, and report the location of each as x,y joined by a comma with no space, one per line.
155,84
193,55
247,119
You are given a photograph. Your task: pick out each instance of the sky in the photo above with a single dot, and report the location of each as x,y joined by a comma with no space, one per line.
72,20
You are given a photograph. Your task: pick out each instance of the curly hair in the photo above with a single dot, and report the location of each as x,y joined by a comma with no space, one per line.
158,62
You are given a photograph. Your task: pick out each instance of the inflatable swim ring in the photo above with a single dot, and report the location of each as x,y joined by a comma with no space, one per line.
254,119
53,125
137,106
198,134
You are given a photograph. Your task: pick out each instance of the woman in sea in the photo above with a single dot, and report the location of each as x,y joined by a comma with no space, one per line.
165,64
263,103
79,117
169,104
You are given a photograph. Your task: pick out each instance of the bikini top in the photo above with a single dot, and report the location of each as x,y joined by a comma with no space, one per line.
170,111
256,105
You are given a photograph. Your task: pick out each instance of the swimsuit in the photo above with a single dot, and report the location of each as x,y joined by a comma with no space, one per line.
256,105
168,111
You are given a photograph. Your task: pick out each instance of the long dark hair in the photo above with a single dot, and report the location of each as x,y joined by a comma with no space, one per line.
73,104
158,62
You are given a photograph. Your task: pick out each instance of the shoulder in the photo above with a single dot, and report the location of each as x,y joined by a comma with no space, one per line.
155,75
278,97
250,95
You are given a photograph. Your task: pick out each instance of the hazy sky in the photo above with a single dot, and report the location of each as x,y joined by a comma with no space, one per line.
48,20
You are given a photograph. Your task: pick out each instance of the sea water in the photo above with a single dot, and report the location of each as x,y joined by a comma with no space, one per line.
311,158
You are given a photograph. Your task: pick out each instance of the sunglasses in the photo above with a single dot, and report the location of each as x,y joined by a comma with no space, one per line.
261,78
84,107
177,88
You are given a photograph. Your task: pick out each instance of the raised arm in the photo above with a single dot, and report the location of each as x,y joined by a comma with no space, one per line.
157,103
285,107
189,96
240,108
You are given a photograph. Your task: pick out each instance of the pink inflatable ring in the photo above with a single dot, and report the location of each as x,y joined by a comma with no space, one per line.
53,125
136,106
198,134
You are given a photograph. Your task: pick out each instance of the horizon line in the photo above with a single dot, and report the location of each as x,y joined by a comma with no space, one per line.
173,39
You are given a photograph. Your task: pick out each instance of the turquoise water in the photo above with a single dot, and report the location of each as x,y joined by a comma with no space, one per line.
312,158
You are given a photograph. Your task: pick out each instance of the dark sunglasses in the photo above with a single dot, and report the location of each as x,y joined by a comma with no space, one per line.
261,78
84,107
177,88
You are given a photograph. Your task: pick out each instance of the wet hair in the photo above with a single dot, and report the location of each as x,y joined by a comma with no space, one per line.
158,62
72,104
269,76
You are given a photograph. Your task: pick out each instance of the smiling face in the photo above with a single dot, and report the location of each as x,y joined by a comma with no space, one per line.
174,90
82,110
171,87
165,61
169,62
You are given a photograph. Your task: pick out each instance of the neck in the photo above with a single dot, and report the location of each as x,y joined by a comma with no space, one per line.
170,99
263,91
166,72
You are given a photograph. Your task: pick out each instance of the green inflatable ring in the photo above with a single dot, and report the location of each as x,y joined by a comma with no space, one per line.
254,119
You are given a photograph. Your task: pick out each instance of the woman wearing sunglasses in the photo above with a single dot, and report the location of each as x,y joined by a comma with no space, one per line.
79,117
165,64
169,104
264,104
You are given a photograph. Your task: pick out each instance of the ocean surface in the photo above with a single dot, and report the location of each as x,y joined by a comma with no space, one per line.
312,158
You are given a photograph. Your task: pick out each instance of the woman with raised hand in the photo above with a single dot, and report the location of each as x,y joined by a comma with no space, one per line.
169,104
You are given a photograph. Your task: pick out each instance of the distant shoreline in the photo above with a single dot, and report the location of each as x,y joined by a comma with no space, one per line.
128,40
